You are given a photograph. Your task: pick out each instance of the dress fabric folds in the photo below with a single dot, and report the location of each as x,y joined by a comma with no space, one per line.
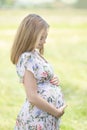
30,117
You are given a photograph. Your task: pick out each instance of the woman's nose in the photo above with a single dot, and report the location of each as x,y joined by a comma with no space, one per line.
44,41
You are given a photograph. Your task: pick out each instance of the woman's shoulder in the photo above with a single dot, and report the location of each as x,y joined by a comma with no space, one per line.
24,57
25,54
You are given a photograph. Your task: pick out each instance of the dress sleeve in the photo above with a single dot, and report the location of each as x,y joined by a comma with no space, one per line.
29,63
26,61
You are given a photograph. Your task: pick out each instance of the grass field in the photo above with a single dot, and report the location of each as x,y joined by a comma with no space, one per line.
66,51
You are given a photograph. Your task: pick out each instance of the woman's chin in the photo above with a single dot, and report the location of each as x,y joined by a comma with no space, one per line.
39,47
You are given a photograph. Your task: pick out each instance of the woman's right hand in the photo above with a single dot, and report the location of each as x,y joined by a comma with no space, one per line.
61,111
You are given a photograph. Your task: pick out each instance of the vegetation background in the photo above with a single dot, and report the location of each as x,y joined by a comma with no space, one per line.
66,50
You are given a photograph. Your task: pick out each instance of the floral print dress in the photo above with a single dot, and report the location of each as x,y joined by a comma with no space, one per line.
30,117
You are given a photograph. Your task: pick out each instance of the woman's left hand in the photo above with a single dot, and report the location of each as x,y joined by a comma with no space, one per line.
55,80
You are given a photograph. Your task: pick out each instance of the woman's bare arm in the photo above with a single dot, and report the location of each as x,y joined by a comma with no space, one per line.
35,99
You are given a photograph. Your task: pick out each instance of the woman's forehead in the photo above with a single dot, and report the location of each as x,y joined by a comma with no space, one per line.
44,32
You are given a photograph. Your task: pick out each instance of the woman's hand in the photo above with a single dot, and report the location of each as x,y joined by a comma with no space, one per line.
61,111
55,80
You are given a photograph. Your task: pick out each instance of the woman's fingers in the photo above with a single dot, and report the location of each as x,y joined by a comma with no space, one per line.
55,80
64,106
61,110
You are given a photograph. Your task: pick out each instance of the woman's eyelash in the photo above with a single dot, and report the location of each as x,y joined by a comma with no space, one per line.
43,37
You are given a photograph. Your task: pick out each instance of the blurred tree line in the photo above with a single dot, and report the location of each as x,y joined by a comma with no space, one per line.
6,3
81,4
78,4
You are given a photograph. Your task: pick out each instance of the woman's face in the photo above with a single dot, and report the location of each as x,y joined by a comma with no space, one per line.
41,40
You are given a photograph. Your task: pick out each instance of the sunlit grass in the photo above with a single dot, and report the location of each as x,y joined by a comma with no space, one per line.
66,51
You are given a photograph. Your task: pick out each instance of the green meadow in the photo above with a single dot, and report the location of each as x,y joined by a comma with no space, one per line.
66,50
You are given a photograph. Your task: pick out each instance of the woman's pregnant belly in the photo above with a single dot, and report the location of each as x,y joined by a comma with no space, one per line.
51,93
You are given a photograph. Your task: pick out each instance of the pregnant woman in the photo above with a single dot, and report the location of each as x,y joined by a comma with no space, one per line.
44,103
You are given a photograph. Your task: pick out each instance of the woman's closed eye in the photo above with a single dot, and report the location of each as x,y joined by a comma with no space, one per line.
41,38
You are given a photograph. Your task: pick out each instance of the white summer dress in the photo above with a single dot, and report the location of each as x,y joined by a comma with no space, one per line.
30,117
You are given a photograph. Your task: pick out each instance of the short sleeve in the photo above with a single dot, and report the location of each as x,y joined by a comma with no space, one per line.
26,61
29,63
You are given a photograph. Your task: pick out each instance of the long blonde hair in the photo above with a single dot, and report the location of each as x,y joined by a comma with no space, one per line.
26,36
